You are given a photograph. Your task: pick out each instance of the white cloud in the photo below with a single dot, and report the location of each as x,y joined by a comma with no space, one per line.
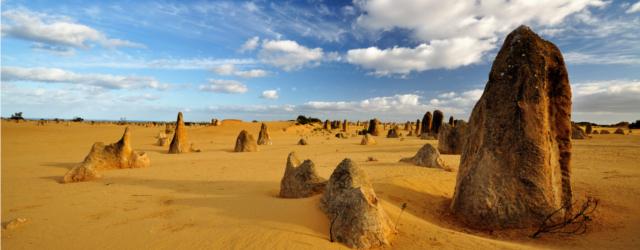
606,58
230,69
164,63
397,104
270,94
433,19
251,6
438,54
224,86
288,55
467,29
56,30
55,75
607,101
634,8
250,44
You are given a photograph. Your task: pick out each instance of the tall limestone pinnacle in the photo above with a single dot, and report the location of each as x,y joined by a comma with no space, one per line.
515,165
180,143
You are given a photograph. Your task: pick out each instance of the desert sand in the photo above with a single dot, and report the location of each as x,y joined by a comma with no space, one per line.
219,199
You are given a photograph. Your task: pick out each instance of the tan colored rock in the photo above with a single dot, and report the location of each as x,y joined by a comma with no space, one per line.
515,166
393,133
588,129
427,156
426,123
15,223
303,142
355,213
83,172
604,132
436,123
374,127
114,156
168,129
263,137
245,142
179,143
162,139
300,180
451,139
595,132
367,139
418,128
577,133
619,131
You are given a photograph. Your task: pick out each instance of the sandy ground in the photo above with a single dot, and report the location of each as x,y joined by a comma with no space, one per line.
218,199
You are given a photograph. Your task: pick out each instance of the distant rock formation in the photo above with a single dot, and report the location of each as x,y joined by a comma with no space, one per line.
417,131
595,132
162,139
327,125
344,126
604,132
577,133
374,127
356,216
451,121
393,133
179,143
589,129
451,139
436,123
427,156
426,123
302,141
113,156
341,135
168,129
367,139
300,180
263,137
515,166
619,131
245,142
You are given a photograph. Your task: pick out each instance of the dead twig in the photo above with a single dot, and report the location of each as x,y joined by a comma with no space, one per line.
571,223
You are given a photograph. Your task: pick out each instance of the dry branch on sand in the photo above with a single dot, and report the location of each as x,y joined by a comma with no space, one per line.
572,223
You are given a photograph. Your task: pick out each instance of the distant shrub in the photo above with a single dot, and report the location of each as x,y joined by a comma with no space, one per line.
302,120
635,125
77,119
17,116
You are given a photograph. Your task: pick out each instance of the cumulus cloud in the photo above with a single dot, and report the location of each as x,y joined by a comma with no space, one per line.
250,44
224,86
288,54
56,31
55,75
634,8
231,70
447,54
401,105
460,28
270,94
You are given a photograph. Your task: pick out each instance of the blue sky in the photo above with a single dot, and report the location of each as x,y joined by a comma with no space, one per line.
273,60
